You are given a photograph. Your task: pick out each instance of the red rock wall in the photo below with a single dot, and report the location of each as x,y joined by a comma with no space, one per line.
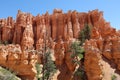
104,44
57,24
60,29
22,63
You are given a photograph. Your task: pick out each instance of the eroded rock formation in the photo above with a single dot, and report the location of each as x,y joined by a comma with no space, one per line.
22,63
57,31
103,45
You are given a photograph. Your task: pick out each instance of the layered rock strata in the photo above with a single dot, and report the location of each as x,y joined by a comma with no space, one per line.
57,31
103,45
17,61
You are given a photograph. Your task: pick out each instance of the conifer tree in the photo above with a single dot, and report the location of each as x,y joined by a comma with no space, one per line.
85,34
48,67
78,57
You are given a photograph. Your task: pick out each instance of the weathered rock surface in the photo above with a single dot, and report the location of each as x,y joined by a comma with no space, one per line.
105,42
22,63
57,31
92,57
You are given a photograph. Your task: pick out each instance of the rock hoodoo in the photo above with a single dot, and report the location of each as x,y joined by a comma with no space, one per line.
28,33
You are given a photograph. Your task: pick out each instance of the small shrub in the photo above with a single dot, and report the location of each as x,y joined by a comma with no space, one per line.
5,42
0,42
113,77
39,69
80,73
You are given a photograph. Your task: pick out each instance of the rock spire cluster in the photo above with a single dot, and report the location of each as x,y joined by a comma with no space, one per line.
57,31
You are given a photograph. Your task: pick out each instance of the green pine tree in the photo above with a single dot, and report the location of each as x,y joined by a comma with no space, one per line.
77,57
77,51
85,34
48,69
38,69
49,66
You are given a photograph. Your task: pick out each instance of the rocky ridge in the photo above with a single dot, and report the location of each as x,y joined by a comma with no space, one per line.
57,31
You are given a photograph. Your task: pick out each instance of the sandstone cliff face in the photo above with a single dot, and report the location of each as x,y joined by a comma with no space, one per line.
6,29
57,31
105,43
92,57
12,57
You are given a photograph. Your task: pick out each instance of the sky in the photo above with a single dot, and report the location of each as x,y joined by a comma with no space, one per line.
109,7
